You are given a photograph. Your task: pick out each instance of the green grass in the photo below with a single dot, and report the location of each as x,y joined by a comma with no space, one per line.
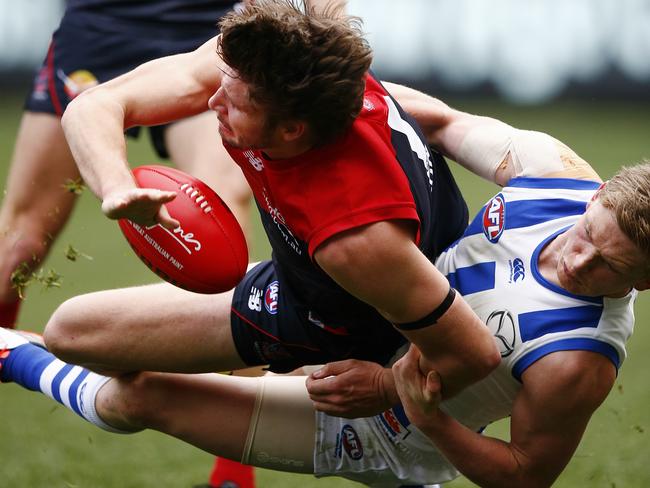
45,445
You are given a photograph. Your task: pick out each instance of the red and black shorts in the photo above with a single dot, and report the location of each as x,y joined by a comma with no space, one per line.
271,326
88,49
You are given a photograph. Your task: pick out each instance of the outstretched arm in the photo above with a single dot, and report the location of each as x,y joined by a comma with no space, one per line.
488,147
156,92
560,393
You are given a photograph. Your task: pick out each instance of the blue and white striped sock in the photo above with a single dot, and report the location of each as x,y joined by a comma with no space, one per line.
36,369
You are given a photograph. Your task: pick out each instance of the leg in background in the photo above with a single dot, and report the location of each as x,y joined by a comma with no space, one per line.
36,204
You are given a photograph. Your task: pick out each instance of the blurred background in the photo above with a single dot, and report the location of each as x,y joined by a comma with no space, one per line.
577,69
524,52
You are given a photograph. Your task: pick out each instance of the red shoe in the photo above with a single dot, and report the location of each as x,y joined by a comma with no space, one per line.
231,474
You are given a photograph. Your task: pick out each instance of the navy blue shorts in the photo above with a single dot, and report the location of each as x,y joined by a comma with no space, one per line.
87,50
270,326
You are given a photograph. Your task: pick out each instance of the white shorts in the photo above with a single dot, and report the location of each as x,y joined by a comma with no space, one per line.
383,451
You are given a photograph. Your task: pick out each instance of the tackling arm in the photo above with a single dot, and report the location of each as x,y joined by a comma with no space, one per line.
488,147
156,92
380,264
560,393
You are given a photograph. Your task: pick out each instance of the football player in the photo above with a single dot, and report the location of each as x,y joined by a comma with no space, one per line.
552,264
354,204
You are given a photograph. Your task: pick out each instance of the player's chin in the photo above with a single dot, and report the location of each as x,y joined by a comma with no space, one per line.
577,288
233,142
228,136
569,284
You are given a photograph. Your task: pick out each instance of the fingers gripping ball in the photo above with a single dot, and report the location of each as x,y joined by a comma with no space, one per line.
207,253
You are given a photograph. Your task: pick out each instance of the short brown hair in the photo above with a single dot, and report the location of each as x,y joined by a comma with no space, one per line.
627,194
308,66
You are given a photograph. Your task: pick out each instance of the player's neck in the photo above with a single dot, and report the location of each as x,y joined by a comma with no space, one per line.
549,257
289,142
287,150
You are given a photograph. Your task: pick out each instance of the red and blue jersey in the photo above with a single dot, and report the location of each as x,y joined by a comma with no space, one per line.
380,169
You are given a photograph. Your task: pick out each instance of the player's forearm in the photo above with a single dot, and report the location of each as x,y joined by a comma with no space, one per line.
448,130
431,114
93,126
486,461
458,346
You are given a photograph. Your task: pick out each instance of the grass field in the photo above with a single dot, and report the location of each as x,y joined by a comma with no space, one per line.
45,445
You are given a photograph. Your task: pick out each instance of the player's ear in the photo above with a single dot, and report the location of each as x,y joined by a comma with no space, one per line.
293,130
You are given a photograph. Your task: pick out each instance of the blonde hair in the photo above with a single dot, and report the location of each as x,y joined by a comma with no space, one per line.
627,194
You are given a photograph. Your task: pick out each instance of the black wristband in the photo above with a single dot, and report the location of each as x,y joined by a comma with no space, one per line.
433,317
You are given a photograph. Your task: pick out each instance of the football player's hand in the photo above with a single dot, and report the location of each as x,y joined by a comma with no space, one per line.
419,393
144,206
352,389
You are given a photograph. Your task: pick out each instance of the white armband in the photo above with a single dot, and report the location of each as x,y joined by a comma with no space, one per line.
535,154
485,147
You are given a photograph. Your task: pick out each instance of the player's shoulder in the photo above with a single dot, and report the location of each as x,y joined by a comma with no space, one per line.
540,155
582,378
573,166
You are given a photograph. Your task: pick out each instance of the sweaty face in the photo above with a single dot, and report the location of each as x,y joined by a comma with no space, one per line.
242,123
597,258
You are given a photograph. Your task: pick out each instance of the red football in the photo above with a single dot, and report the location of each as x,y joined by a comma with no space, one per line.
207,253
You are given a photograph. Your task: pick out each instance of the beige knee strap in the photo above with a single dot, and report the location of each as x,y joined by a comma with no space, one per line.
282,431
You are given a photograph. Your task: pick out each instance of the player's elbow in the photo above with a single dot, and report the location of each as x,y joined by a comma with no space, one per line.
78,104
527,473
74,112
69,116
486,358
517,480
489,357
456,381
461,371
484,355
97,103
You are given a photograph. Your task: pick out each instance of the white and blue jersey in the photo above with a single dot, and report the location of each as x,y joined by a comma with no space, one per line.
494,265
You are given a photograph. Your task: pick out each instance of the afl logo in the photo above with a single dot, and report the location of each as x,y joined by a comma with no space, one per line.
494,218
502,326
271,298
351,442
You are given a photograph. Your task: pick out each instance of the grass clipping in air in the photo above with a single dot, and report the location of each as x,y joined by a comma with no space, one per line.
22,277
